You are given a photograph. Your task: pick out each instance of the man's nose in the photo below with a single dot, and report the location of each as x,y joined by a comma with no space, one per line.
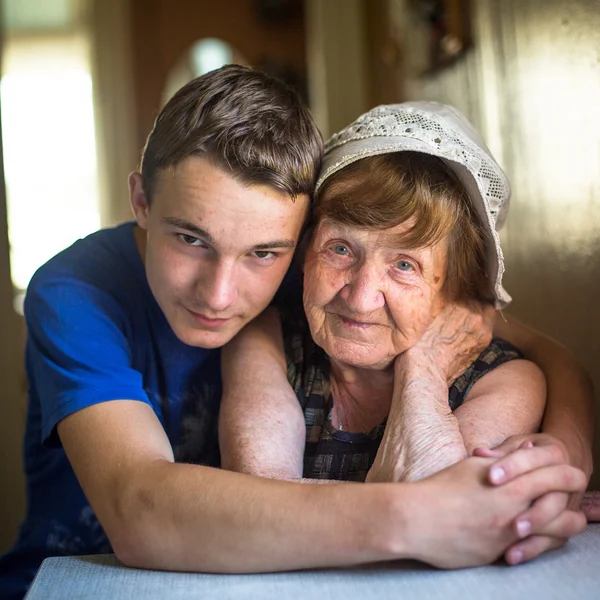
218,287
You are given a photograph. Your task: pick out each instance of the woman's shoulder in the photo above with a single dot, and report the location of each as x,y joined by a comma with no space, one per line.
497,353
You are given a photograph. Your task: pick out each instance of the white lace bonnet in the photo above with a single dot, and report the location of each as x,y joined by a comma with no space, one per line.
441,131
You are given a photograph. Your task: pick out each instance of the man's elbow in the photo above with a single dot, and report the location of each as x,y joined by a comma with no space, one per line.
134,525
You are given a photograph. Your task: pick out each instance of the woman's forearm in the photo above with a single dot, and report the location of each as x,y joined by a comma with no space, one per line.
422,435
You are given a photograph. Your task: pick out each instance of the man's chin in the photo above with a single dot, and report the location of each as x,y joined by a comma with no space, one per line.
202,338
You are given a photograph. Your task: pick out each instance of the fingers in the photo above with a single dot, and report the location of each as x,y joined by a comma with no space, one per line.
541,513
488,453
500,451
590,506
531,548
523,460
541,481
509,445
566,525
575,501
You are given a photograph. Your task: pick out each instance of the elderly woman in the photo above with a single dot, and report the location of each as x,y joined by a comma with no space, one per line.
402,250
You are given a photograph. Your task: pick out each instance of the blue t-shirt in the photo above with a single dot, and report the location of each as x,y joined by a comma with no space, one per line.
96,333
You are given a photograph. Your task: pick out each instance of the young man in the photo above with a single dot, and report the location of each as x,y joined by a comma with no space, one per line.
123,328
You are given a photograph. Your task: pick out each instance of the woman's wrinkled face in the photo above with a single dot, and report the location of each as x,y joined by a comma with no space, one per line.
366,298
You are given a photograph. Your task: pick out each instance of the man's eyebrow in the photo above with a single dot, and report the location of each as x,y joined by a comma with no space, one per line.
275,244
183,224
201,233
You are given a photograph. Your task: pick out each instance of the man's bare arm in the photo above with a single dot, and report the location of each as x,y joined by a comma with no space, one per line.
569,415
261,424
162,515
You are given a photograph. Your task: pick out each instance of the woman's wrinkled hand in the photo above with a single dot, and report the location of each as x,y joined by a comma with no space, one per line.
455,338
590,506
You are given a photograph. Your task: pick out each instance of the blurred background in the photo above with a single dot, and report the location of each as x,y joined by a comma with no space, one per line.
82,81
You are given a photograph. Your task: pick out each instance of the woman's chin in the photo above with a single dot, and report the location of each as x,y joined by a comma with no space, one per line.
358,356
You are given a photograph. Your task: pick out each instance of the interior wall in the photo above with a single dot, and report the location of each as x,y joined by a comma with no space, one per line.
337,51
531,83
163,31
109,24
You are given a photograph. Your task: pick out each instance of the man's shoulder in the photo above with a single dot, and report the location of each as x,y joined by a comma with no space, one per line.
101,272
104,249
107,260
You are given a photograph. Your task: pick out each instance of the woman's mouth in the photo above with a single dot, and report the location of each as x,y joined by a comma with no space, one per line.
354,323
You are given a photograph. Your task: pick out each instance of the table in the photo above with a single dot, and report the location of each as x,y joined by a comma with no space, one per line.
573,572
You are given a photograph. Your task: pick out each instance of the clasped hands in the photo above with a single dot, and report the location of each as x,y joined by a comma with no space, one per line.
448,347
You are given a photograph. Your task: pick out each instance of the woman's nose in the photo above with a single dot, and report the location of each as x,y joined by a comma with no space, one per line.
364,293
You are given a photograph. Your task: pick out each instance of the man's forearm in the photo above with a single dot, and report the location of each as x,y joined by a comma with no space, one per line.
569,414
190,518
219,521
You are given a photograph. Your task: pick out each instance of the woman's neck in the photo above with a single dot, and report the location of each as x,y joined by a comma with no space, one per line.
361,397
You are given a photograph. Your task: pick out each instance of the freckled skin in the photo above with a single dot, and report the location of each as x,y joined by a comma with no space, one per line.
367,301
222,278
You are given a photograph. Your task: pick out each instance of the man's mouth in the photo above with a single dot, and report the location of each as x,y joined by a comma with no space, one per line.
207,321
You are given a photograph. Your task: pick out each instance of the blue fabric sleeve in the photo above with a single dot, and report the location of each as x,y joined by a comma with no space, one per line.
78,353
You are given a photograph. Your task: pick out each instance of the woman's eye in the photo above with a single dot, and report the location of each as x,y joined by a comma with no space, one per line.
190,240
340,249
404,265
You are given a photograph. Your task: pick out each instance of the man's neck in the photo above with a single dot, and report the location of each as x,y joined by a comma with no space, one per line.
139,236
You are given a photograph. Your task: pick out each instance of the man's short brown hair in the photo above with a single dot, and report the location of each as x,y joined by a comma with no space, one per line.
245,122
380,192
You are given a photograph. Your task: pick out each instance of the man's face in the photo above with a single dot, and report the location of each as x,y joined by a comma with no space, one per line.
215,250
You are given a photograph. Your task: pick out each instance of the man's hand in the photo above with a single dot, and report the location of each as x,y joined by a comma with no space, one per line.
514,460
474,521
551,519
455,338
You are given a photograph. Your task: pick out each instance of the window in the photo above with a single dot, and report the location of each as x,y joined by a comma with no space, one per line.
49,146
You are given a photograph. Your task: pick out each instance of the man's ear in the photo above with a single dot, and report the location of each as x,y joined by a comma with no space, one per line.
138,199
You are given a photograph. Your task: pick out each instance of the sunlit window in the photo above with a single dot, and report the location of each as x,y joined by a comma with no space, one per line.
203,56
49,148
210,54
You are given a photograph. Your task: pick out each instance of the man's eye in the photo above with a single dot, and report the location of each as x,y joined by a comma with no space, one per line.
264,254
190,240
340,249
404,265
